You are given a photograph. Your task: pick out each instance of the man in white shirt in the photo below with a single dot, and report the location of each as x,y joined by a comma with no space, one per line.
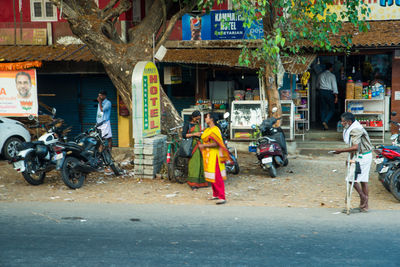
328,92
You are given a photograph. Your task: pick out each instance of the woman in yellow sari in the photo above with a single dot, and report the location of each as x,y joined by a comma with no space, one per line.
215,154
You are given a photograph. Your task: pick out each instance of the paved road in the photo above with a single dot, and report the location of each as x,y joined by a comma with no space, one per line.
72,234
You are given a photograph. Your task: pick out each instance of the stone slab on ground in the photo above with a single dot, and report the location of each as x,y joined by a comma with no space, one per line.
153,161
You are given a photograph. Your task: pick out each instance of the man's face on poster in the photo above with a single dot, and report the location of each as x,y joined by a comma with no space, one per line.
23,86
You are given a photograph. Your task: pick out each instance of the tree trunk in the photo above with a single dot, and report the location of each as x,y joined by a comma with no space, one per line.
271,90
94,27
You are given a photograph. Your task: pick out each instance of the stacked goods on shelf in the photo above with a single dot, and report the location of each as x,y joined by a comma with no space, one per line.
355,107
370,121
242,135
239,94
256,94
350,89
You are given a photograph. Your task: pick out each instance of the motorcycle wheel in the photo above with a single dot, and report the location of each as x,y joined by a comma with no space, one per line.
384,183
286,162
32,178
272,171
72,178
179,170
236,168
395,184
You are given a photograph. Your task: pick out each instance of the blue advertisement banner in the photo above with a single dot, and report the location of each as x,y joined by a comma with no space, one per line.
196,27
219,25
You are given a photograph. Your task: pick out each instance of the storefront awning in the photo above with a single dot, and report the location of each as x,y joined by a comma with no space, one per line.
292,65
230,58
219,57
14,53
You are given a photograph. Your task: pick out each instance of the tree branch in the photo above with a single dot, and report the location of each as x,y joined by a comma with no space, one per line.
164,20
123,6
67,8
189,7
109,6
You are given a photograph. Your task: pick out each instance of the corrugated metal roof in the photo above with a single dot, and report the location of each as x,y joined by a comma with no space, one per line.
381,34
291,65
224,53
220,57
230,58
13,53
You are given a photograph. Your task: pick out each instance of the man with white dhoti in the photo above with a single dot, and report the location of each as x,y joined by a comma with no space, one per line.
360,149
104,115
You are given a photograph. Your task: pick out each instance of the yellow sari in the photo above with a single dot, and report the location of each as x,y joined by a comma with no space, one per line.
214,155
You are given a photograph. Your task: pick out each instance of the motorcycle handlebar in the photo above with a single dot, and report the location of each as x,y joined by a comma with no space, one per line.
395,123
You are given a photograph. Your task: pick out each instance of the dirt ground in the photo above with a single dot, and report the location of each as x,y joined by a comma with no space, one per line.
307,182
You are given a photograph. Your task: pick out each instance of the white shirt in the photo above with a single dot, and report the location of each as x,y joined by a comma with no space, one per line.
327,81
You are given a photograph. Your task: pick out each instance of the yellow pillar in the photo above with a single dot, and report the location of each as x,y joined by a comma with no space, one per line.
124,129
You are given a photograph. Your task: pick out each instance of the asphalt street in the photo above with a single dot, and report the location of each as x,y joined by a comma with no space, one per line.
76,234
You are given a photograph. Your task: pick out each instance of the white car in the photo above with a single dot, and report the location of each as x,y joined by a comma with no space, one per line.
12,133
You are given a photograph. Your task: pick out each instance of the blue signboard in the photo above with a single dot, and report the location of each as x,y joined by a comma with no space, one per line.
219,25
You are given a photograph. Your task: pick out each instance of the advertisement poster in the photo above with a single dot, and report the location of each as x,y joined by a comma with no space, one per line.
146,100
196,27
380,9
172,75
18,93
219,25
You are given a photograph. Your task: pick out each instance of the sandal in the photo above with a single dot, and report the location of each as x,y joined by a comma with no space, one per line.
221,201
212,198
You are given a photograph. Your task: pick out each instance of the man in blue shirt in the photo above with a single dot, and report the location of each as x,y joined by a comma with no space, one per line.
104,114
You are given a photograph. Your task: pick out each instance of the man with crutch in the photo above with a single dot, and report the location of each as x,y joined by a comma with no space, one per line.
359,160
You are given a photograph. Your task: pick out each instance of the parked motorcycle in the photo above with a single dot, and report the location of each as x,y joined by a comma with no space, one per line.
388,163
231,166
88,153
36,158
271,148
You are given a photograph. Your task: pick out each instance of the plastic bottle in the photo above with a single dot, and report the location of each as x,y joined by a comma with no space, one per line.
358,90
248,94
339,127
350,89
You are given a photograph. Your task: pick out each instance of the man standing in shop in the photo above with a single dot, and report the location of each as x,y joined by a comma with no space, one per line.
328,92
103,115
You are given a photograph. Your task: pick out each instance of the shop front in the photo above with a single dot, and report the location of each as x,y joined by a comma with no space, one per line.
219,89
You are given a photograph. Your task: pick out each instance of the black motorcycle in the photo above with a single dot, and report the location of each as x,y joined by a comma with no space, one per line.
231,166
271,147
88,153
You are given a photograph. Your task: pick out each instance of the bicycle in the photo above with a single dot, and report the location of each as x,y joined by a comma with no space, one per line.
177,166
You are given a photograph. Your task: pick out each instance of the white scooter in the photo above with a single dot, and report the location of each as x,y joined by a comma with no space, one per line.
38,157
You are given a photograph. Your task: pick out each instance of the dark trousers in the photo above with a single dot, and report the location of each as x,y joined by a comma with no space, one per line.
327,105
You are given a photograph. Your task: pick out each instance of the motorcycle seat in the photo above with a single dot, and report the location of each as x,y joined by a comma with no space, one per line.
394,148
38,142
74,145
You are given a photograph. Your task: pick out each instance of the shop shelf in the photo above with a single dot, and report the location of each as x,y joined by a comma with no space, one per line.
367,113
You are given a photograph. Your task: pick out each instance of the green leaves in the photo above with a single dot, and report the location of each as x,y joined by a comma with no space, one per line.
290,25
